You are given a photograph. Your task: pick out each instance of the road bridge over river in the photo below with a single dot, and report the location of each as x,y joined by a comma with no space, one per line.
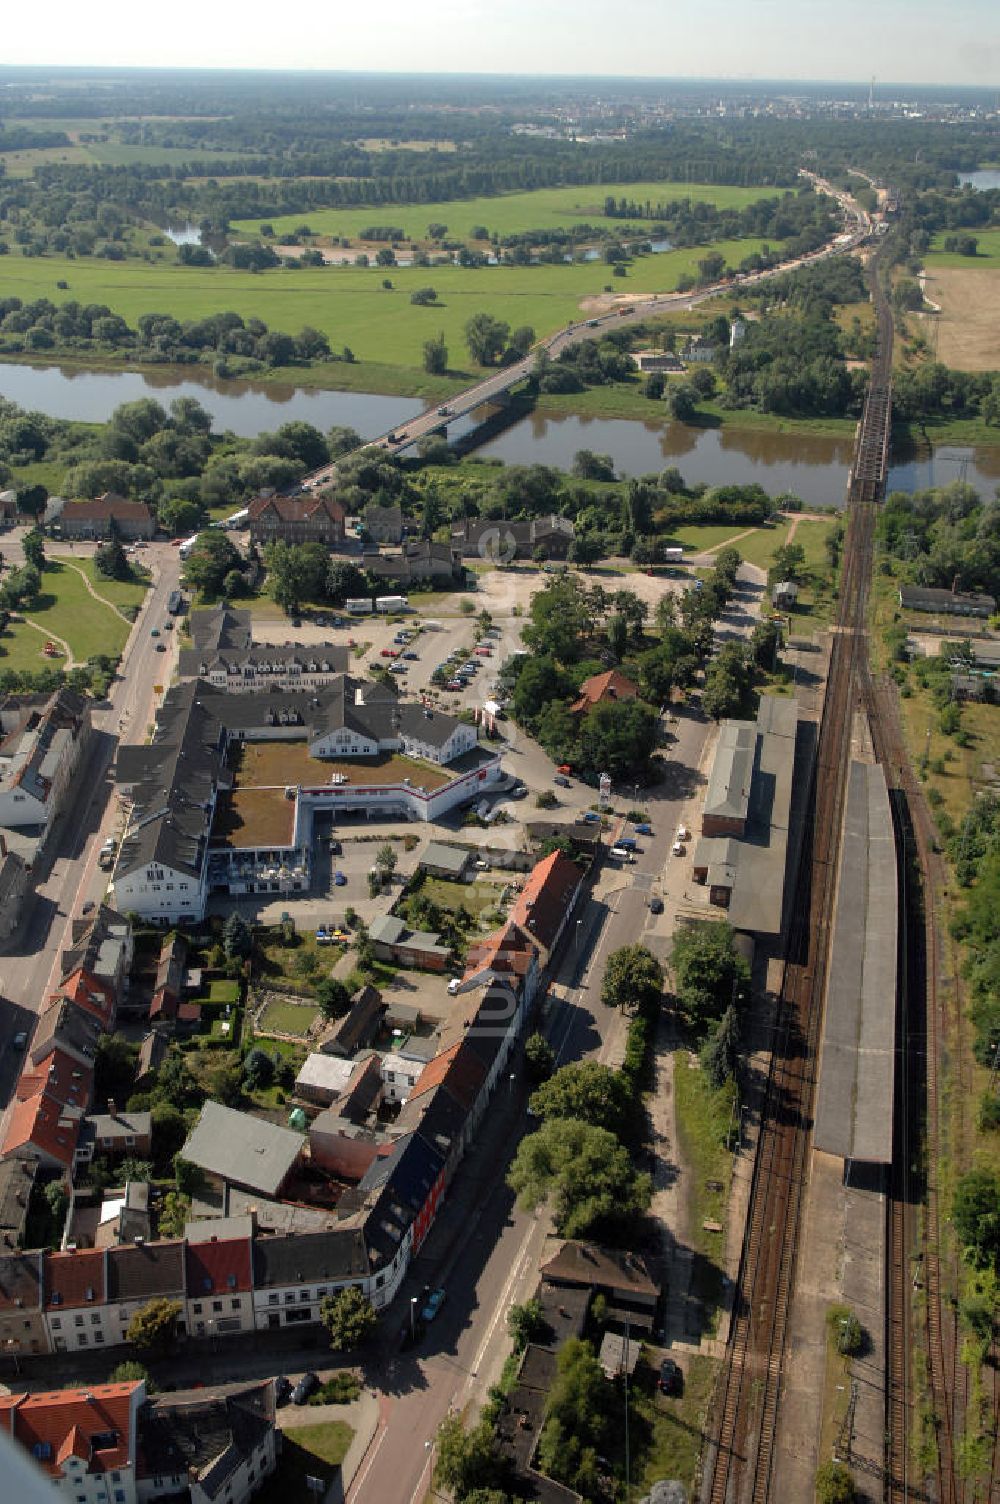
497,386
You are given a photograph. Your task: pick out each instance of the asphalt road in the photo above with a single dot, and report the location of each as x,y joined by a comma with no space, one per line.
72,876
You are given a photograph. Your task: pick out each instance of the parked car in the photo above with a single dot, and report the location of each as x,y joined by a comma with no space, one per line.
154,632
520,792
592,817
161,647
561,780
413,657
671,1380
627,843
683,834
620,854
339,880
678,848
20,1040
307,1385
335,846
656,905
433,1304
282,1389
644,830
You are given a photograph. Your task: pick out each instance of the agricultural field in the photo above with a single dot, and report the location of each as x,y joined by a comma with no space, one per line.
988,254
967,291
350,304
508,214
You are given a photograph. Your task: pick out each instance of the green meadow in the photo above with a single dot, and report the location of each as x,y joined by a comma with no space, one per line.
350,304
987,255
506,214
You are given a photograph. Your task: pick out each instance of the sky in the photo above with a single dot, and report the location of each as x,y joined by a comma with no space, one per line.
917,41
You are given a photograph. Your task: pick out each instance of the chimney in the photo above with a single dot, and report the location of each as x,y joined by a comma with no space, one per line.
112,1109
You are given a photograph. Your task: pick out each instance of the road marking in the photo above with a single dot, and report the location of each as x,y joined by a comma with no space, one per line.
357,1482
501,1305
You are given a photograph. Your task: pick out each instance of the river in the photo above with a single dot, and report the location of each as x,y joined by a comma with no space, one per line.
811,466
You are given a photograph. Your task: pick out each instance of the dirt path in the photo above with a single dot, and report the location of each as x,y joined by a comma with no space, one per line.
95,593
51,636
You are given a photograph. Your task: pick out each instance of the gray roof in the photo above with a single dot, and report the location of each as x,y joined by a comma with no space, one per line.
97,944
451,859
123,1125
390,930
242,1148
205,1436
309,1258
264,658
222,627
728,793
854,1104
961,602
145,1270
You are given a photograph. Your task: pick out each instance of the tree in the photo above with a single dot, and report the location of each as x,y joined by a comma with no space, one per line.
210,560
520,342
467,1461
581,1420
525,1323
436,355
721,1054
33,545
539,1058
386,861
344,580
169,1131
486,337
57,1201
298,572
31,500
618,738
633,979
258,1069
349,1317
333,996
131,1372
788,562
154,1326
834,1484
723,693
683,402
586,549
175,1082
111,561
423,296
583,1172
114,1067
976,1215
591,1092
708,971
190,1178
225,1083
237,937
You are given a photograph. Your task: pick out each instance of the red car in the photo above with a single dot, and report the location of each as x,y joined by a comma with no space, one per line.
390,652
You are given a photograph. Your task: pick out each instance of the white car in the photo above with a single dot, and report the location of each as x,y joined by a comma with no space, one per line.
454,985
677,848
683,834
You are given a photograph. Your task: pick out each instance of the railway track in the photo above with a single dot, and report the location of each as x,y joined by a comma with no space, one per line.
740,1452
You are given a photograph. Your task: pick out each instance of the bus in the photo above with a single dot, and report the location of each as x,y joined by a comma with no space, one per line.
175,603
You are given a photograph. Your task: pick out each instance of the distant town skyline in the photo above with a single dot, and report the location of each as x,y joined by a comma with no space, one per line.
899,41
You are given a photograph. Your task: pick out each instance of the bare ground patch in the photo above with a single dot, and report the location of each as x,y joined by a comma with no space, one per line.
969,299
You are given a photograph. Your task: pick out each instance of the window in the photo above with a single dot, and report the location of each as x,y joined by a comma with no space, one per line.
83,1339
272,1300
119,1496
304,1296
234,1305
216,1305
289,1297
56,1323
98,1337
196,1308
95,1318
78,1320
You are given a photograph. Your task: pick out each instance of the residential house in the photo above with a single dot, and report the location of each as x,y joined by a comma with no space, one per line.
43,740
419,563
17,1179
393,940
140,1273
22,1325
265,666
509,957
306,518
502,541
9,515
15,887
946,602
413,1176
64,1027
108,513
383,524
240,1149
152,1052
346,1148
622,1277
399,1075
209,1446
74,1294
546,902
84,1441
785,594
292,1275
119,1133
168,989
95,965
358,1027
656,360
219,1275
323,1078
604,689
44,1120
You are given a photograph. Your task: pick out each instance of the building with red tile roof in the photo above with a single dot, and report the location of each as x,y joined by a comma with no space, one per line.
92,995
509,954
94,519
41,1128
75,1435
219,1273
461,1075
600,689
297,519
74,1291
546,901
